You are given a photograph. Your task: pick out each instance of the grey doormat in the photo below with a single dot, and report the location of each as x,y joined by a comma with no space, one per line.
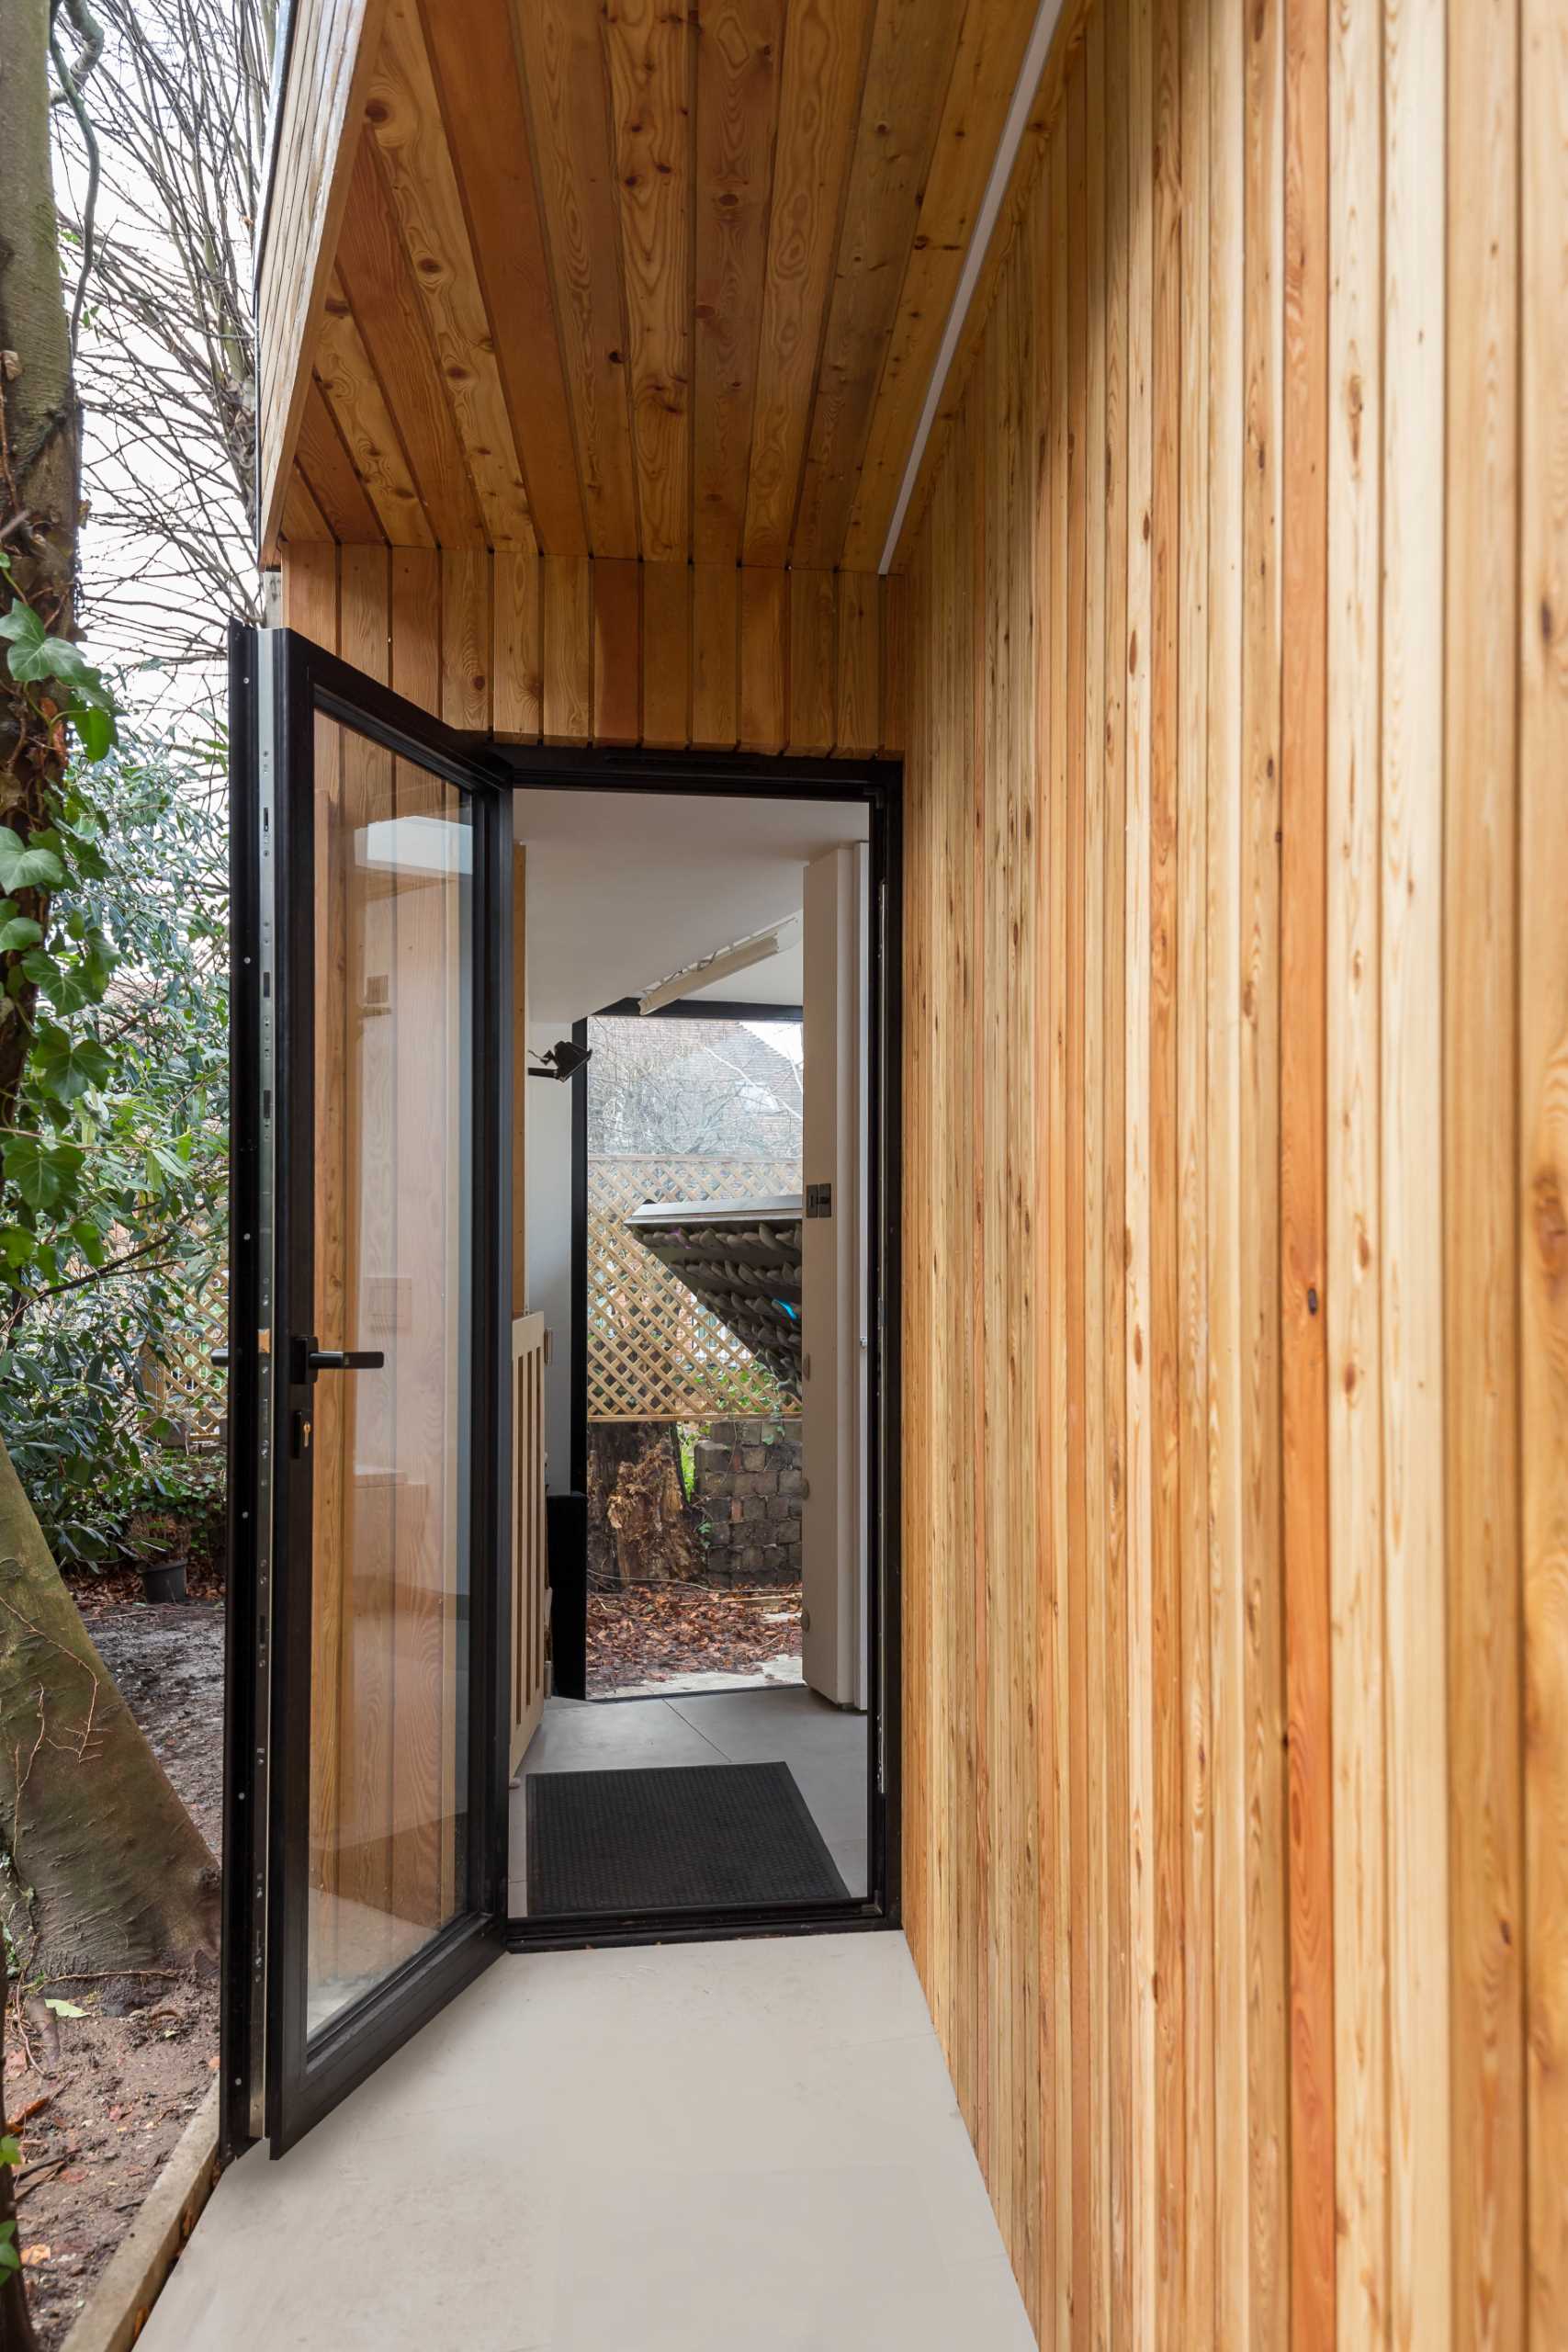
681,1837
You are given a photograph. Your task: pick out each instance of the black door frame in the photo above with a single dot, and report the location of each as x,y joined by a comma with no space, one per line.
276,2078
878,784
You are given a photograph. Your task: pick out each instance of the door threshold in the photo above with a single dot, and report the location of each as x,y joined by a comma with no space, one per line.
585,1931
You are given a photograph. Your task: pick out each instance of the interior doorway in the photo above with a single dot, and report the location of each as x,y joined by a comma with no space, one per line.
710,1412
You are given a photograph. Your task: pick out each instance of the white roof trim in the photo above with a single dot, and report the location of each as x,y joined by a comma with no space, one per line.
991,204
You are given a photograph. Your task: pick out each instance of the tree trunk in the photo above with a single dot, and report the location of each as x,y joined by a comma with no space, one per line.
106,1869
16,2321
40,469
641,1528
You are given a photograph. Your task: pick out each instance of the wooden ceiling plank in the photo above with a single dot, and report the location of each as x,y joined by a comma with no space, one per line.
395,329
740,49
979,91
329,469
477,78
913,46
647,56
564,91
353,392
825,48
405,117
303,520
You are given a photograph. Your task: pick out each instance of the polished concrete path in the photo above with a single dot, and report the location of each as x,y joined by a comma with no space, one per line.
825,1747
743,2147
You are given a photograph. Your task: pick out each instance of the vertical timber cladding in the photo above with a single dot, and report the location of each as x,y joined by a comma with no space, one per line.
1236,1170
582,649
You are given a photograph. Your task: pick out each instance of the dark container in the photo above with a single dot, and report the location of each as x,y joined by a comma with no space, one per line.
163,1579
566,1545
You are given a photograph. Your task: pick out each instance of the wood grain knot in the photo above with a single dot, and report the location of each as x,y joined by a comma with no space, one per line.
1550,1219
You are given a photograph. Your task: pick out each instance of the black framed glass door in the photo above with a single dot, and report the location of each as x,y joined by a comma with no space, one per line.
366,1857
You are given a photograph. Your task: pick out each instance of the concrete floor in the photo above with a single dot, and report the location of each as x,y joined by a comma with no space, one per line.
825,1747
743,2147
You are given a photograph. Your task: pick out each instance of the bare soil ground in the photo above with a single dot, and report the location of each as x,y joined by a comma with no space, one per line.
100,2099
652,1632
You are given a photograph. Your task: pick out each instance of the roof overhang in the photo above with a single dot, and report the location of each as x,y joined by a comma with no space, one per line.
679,283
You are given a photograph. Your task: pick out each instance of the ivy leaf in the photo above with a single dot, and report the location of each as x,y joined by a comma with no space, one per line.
17,1244
66,1067
24,628
42,1173
19,932
82,981
38,660
26,868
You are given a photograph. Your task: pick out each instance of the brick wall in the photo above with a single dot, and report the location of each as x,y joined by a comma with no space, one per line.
747,1490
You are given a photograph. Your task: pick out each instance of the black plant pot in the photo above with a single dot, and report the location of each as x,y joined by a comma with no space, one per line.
164,1580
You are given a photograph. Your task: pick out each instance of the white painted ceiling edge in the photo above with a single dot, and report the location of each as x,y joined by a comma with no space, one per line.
1013,129
624,888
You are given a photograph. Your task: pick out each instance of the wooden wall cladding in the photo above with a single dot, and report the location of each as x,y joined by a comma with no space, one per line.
1235,1419
579,649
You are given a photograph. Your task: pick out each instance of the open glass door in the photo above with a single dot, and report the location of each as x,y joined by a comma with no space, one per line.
369,1473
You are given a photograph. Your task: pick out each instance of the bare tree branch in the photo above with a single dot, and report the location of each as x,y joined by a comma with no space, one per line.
166,358
69,78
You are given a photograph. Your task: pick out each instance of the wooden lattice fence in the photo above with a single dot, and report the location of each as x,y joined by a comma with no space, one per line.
653,1353
189,1390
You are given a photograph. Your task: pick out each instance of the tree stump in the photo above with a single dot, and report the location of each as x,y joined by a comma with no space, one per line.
641,1530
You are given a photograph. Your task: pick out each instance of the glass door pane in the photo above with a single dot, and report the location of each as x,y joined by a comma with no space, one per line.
390,1690
366,1825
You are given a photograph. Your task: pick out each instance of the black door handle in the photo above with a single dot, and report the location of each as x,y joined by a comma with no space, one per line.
344,1360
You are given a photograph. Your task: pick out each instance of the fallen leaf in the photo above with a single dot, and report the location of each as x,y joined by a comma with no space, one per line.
33,2254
